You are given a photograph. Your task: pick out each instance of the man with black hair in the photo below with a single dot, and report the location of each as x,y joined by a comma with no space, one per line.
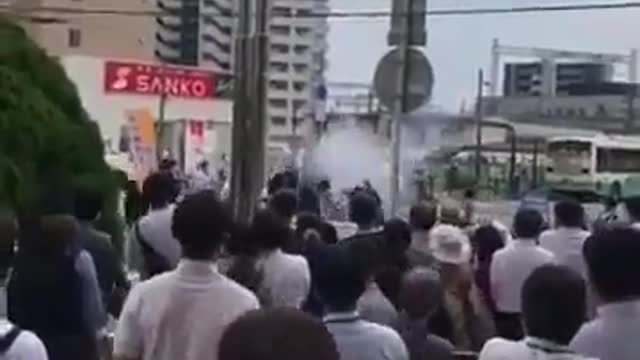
567,239
183,313
553,307
285,203
110,274
277,334
340,281
153,248
510,268
53,289
364,214
613,267
286,277
15,343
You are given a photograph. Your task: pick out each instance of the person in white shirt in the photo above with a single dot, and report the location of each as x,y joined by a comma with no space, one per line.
340,281
152,233
15,344
511,266
286,280
566,241
183,313
553,306
612,258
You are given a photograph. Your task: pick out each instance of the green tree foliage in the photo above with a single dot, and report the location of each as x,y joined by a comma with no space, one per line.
43,126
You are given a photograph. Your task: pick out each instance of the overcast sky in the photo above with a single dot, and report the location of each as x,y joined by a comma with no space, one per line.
459,45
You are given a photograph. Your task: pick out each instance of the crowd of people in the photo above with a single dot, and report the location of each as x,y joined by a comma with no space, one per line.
195,284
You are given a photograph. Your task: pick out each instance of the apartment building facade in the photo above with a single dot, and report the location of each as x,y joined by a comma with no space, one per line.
197,33
83,31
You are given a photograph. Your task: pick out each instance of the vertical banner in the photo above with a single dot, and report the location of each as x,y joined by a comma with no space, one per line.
199,143
142,137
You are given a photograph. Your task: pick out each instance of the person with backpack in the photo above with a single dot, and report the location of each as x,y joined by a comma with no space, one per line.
15,343
153,249
183,313
53,289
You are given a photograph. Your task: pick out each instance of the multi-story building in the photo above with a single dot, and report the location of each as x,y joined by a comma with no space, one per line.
201,32
198,33
520,78
177,32
86,31
298,48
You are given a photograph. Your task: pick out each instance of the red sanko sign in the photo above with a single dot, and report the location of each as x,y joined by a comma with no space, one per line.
145,79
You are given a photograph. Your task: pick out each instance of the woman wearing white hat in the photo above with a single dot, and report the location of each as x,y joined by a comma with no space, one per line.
469,322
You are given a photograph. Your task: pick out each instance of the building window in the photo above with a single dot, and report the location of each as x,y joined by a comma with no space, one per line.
280,30
278,11
75,38
278,85
300,49
300,68
278,103
278,66
299,86
279,120
280,48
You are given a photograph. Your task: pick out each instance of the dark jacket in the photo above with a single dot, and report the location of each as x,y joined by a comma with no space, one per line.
421,343
45,296
111,276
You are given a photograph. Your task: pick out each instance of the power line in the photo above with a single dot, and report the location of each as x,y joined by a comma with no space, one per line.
364,14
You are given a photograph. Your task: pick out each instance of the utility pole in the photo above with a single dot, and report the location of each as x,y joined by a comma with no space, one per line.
631,113
401,106
249,118
478,118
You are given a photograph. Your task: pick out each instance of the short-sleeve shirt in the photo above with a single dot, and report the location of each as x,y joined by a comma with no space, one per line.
181,314
510,267
286,279
357,339
27,346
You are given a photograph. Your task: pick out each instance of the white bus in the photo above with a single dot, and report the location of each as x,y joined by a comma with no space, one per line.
602,165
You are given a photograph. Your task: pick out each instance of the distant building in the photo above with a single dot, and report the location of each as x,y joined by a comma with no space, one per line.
90,34
522,79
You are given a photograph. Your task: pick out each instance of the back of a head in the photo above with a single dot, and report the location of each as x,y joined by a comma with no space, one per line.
569,213
487,239
270,230
612,261
338,276
421,292
397,236
284,202
158,189
554,303
201,224
329,233
275,183
277,334
363,209
527,224
423,216
469,194
87,204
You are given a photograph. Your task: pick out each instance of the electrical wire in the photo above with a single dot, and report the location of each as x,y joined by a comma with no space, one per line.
364,14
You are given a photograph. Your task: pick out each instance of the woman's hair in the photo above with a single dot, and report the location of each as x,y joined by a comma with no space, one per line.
486,240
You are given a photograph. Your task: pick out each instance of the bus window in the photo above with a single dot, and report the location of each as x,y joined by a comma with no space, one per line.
570,157
618,160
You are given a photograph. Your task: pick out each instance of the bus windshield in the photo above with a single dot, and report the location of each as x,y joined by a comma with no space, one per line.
570,157
618,160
